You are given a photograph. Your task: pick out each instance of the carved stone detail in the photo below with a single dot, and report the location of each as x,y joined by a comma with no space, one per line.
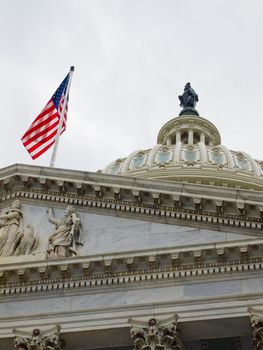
14,238
86,268
156,335
65,239
37,340
257,329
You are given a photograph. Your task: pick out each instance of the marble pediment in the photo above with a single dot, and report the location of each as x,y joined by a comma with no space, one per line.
106,234
119,215
119,250
195,205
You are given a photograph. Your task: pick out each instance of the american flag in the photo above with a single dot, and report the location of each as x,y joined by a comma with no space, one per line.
41,134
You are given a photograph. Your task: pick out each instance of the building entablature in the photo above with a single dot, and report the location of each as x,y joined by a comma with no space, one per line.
128,196
35,274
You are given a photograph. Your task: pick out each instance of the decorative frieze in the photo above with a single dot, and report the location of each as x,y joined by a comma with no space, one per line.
38,340
145,266
86,268
171,214
136,196
108,265
130,263
156,335
43,272
147,198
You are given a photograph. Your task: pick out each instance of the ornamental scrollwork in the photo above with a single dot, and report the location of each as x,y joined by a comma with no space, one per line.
257,329
156,335
37,340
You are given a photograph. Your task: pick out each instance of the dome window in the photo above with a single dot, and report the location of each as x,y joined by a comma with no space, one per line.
164,156
114,169
217,157
242,163
138,161
190,155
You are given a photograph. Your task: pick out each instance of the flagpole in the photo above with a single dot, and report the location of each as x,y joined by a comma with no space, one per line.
54,154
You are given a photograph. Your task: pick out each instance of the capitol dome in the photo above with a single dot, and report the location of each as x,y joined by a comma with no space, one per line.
189,150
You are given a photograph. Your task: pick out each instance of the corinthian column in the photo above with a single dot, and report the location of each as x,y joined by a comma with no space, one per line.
155,335
37,340
256,319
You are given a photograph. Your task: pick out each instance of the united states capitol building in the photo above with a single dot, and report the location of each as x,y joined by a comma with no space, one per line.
163,249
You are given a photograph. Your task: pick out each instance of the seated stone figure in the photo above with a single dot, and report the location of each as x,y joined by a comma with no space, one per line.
14,239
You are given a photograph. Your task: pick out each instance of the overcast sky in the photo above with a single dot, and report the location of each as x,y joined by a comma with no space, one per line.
132,59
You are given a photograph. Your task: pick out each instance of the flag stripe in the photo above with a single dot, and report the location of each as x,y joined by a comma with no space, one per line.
39,153
42,121
38,144
36,132
42,133
45,147
48,111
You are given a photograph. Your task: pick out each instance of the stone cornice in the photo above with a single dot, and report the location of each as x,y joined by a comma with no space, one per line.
176,202
30,274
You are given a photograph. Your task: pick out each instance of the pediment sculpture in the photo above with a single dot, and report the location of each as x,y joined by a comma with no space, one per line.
37,340
65,239
15,239
156,335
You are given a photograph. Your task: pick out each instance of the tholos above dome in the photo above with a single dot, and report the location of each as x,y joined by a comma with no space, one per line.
189,150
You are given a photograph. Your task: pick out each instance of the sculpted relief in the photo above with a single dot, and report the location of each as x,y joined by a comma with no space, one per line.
156,335
20,238
65,239
37,340
15,239
256,318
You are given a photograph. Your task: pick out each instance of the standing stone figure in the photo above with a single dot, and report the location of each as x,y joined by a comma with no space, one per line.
48,340
157,336
63,242
14,240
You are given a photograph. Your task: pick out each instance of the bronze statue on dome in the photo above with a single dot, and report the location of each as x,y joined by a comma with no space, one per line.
188,100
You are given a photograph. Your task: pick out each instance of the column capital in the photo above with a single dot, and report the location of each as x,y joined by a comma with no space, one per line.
155,335
38,340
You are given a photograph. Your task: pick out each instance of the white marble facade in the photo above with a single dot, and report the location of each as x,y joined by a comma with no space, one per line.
176,235
103,234
106,307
